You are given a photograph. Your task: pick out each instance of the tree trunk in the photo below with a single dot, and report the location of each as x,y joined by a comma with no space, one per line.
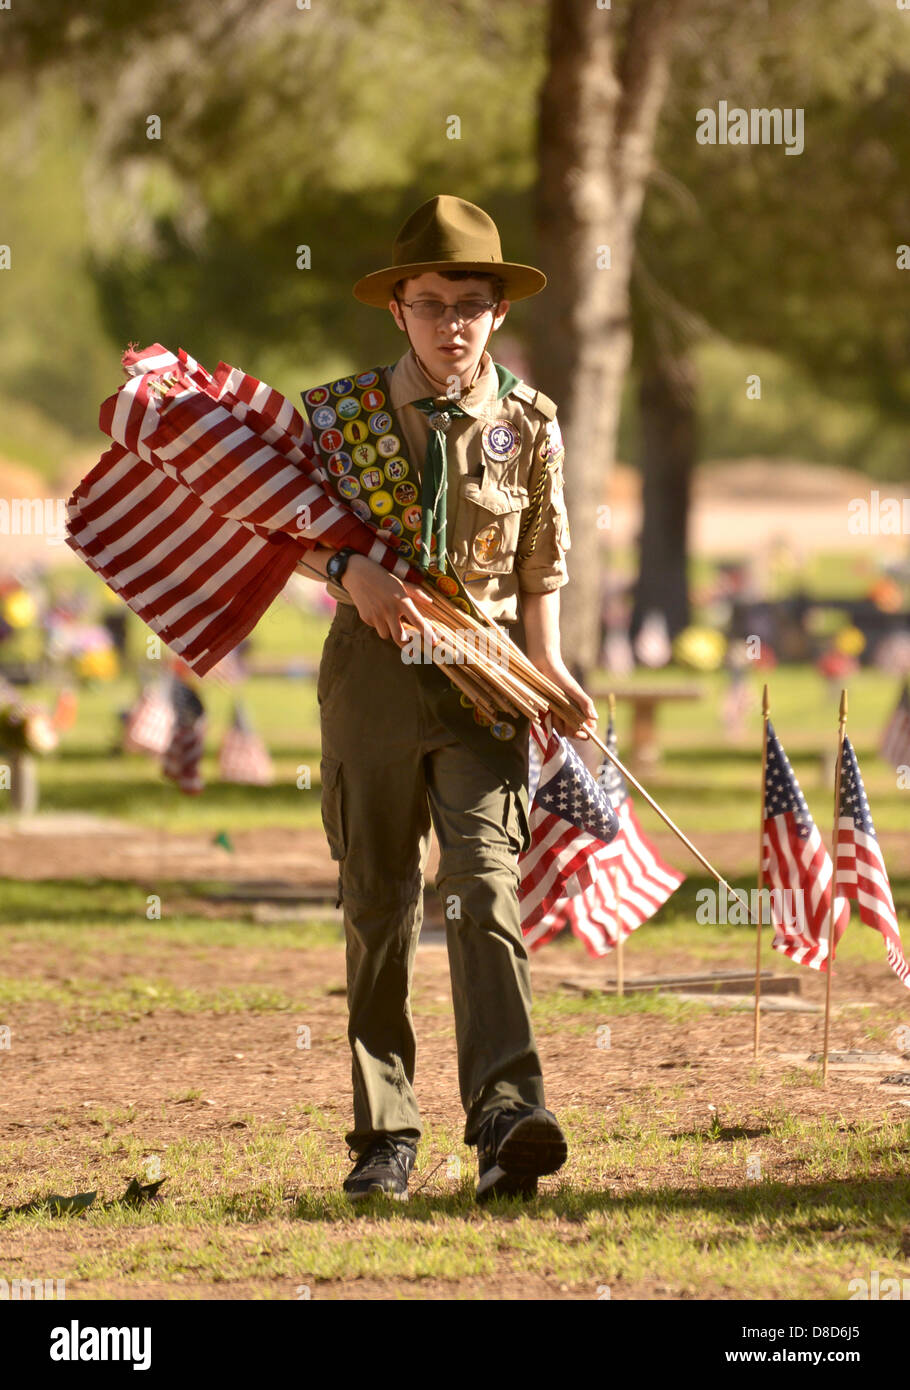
667,395
599,106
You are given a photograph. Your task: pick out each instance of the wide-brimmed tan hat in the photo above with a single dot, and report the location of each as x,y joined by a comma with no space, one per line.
448,233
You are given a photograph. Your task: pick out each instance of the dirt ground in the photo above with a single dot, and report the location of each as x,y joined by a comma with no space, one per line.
209,1076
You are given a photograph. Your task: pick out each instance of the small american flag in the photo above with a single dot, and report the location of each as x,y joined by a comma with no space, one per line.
896,738
861,872
243,756
632,881
200,511
570,817
797,867
150,723
183,756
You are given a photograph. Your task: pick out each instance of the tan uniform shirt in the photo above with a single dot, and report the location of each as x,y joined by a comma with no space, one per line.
489,497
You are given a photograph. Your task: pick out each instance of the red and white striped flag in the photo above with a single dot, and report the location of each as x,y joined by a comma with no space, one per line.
200,511
631,880
797,867
150,723
570,818
182,759
861,872
896,738
243,756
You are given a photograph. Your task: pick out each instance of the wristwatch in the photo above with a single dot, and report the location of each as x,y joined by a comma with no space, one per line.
338,563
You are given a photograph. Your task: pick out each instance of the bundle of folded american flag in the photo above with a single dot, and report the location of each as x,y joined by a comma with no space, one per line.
201,509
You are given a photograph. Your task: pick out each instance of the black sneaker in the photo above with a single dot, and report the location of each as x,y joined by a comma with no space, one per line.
384,1166
514,1148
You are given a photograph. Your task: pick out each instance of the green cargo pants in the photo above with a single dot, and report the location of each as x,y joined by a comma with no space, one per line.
390,767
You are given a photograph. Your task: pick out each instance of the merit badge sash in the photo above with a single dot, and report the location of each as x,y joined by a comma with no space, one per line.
364,455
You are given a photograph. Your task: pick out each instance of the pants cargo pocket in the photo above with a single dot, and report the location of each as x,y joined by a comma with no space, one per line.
333,812
518,826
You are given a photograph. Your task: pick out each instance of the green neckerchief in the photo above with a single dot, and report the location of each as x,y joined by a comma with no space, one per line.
440,412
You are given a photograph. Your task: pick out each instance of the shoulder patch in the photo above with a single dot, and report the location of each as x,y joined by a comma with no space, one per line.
537,399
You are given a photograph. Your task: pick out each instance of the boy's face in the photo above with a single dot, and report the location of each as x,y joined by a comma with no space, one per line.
448,346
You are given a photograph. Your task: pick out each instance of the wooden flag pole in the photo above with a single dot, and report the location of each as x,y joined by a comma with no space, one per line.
620,964
765,712
551,694
842,724
671,824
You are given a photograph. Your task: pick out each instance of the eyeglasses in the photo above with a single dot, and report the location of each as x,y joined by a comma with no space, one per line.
466,310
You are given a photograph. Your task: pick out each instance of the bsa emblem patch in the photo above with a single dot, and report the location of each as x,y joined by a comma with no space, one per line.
501,441
487,543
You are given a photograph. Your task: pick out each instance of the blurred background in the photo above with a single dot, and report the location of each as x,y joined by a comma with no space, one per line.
725,332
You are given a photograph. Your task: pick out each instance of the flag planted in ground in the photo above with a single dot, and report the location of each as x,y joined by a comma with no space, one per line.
243,756
895,747
631,880
150,723
796,864
861,872
570,817
182,761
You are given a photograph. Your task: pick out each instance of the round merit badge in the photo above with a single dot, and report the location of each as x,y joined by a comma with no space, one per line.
342,387
367,379
446,584
501,441
388,445
411,518
372,400
503,730
340,463
363,455
380,503
348,407
331,440
487,543
371,479
396,469
324,417
380,421
317,396
360,508
405,494
348,487
355,431
391,527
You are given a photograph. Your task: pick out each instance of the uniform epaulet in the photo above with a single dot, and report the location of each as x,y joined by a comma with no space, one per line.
537,399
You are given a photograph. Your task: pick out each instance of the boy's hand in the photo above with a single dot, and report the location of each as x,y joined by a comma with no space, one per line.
560,675
385,602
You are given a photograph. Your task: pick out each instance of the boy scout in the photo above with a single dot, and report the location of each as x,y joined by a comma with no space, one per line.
481,452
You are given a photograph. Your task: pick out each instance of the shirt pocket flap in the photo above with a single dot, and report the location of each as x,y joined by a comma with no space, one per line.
499,499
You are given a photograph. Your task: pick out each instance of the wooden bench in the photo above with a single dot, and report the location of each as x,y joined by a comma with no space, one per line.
645,701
